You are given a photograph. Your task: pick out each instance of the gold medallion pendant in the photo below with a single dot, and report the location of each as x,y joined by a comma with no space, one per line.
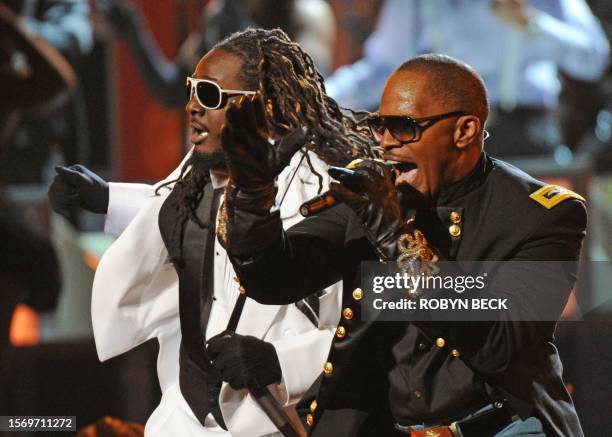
416,257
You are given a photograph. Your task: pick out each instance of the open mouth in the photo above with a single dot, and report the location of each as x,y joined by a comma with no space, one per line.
405,172
198,135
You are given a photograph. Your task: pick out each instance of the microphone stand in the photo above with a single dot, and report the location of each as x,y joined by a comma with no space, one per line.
288,426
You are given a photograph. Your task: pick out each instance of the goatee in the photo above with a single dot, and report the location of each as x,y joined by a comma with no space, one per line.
202,162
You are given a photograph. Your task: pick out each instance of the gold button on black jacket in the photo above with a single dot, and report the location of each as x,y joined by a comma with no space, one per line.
378,373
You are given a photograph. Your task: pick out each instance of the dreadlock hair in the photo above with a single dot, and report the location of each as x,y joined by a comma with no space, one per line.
286,77
287,80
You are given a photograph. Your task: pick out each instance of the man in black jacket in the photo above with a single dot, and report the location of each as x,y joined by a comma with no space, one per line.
453,202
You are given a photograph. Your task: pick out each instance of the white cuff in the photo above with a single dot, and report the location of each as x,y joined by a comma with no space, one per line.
124,201
301,360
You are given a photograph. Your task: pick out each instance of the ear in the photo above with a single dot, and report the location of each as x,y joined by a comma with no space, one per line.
269,107
467,130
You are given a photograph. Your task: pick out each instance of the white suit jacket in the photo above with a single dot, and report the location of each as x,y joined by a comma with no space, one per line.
135,298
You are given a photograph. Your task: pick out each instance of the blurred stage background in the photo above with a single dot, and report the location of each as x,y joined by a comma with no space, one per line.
116,127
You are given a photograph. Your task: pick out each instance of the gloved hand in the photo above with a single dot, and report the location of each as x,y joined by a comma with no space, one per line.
369,190
244,361
253,162
77,186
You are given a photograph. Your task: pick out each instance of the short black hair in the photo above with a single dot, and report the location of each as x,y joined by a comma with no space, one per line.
452,82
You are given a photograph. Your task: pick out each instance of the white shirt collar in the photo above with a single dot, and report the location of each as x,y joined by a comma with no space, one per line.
217,182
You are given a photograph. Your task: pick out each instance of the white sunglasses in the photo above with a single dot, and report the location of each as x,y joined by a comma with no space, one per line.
209,94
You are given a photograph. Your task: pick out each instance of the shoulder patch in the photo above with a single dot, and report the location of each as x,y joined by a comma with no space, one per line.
550,196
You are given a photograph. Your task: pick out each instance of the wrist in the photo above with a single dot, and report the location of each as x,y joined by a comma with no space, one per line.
260,199
260,190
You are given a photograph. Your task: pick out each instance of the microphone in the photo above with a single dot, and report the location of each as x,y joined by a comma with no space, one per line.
318,203
327,199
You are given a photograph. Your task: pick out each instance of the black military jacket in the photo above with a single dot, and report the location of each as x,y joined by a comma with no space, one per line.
442,371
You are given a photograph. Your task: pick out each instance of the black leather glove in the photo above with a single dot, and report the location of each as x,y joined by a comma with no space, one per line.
77,186
369,190
253,162
244,361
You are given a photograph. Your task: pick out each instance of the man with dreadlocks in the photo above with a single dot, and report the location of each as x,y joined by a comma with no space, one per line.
175,282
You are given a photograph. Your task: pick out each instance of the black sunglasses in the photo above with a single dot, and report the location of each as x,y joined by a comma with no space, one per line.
406,129
209,94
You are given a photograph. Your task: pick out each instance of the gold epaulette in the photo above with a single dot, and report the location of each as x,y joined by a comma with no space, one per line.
550,196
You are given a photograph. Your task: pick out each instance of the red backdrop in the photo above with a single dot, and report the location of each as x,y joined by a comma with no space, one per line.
149,136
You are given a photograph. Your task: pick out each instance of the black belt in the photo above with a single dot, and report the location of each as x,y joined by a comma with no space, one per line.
485,422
